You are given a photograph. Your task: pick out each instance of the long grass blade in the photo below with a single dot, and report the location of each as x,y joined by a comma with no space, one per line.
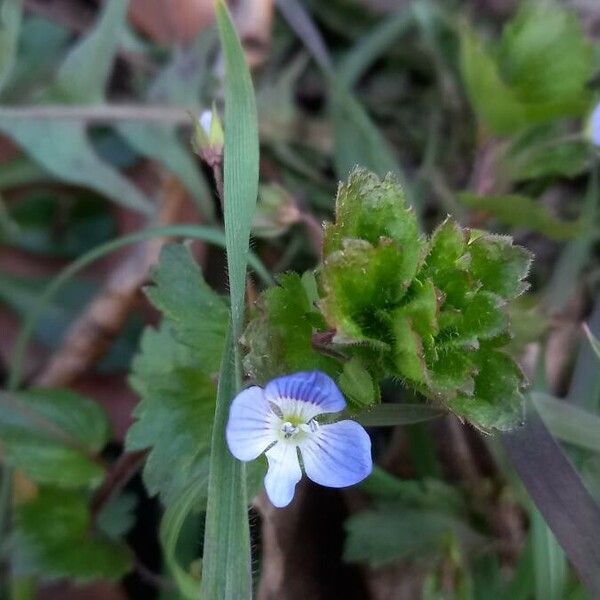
226,571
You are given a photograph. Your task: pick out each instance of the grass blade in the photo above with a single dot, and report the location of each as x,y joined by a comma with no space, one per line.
240,163
560,496
226,571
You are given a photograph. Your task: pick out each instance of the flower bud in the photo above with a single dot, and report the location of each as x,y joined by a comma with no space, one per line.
208,137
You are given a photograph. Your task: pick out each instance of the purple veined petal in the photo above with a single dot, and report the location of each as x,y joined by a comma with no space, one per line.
337,455
305,394
283,474
250,428
594,126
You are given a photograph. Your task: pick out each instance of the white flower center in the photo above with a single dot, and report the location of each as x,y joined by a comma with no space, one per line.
289,430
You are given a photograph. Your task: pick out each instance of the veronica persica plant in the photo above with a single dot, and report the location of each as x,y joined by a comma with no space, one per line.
283,422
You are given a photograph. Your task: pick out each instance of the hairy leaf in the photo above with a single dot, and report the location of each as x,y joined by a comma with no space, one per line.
198,315
174,416
173,374
279,337
497,400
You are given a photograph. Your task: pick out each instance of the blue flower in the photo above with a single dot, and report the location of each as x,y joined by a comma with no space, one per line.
282,422
594,126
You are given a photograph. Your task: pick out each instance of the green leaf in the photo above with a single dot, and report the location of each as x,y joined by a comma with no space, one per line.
368,208
447,264
414,324
482,319
493,101
54,436
174,415
62,147
521,211
430,494
499,265
546,151
83,75
389,533
11,14
547,61
453,369
54,538
539,72
359,283
226,570
173,374
357,385
279,337
497,400
198,316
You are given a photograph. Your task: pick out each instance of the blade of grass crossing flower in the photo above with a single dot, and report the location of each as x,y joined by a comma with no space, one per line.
226,570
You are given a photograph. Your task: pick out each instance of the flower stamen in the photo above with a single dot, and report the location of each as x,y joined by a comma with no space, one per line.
289,430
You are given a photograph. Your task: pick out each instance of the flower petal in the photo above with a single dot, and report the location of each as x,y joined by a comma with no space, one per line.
337,455
250,427
305,394
283,474
594,126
